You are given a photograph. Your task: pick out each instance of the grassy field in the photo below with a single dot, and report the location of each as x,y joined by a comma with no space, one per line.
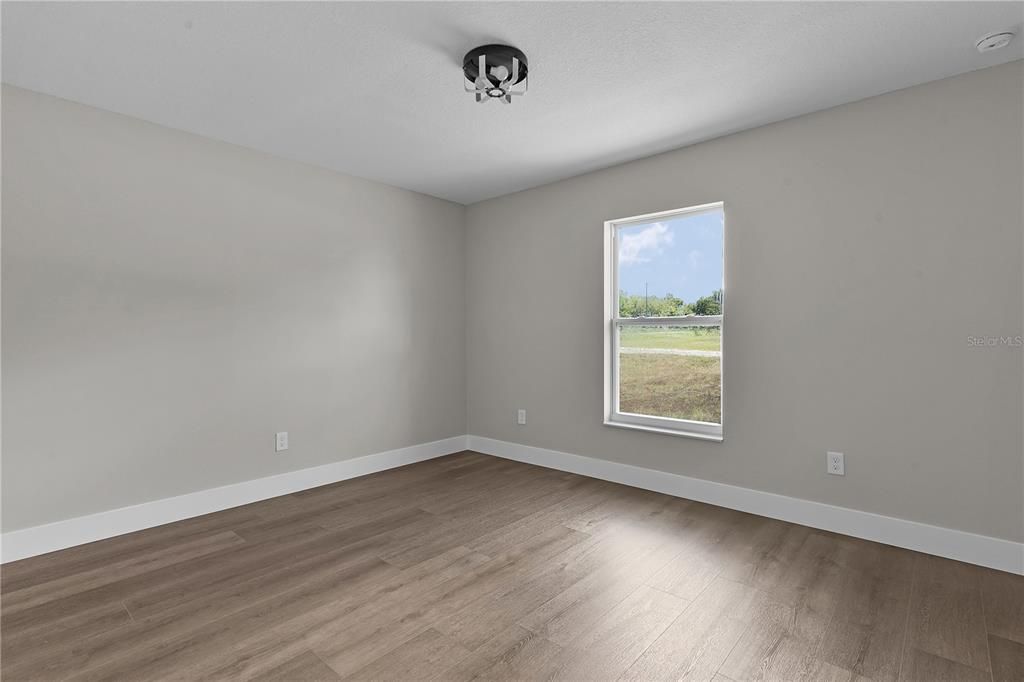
683,338
679,386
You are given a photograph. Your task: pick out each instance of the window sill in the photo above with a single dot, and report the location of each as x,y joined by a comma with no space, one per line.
668,432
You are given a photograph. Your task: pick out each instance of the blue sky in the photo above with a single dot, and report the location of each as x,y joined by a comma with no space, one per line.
681,256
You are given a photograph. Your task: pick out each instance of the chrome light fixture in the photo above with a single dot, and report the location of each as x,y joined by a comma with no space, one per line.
493,71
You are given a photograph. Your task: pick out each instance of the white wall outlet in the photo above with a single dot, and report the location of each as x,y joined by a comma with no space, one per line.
521,417
282,441
835,464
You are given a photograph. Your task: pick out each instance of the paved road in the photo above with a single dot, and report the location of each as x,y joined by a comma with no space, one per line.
672,351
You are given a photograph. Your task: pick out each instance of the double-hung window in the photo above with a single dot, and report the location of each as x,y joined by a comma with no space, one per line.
664,283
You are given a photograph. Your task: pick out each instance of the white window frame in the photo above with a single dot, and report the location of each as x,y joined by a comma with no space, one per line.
612,415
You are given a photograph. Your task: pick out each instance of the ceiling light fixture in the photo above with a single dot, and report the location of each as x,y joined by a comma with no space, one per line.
994,41
494,70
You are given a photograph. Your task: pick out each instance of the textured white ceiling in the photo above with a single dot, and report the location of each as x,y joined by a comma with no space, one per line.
374,89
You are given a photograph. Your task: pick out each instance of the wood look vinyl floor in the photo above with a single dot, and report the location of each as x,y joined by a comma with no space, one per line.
470,566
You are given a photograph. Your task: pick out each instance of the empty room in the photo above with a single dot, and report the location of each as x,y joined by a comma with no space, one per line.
512,340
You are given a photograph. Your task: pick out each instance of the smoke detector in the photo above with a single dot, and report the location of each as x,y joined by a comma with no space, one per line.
994,41
493,71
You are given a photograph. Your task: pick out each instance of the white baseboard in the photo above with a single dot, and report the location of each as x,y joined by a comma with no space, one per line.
20,544
981,550
1003,555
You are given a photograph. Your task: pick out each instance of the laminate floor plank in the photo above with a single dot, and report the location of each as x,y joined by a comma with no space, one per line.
867,631
809,579
1003,599
184,578
304,667
17,575
512,654
760,551
188,655
134,565
28,642
273,573
612,644
352,621
921,666
769,644
402,618
1007,659
622,508
946,613
582,497
501,607
697,565
427,656
474,567
583,604
697,643
461,531
130,647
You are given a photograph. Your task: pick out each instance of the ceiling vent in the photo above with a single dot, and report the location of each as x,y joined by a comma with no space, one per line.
994,41
493,71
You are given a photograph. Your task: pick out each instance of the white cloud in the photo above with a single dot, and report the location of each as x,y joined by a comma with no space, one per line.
639,247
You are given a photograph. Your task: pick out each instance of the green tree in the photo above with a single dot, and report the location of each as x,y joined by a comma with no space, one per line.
630,305
672,306
707,305
638,305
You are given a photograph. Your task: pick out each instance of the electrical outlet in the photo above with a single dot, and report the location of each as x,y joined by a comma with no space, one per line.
521,417
281,442
835,464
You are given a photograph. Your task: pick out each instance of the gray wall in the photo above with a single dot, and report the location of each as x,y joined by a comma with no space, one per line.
169,302
864,245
